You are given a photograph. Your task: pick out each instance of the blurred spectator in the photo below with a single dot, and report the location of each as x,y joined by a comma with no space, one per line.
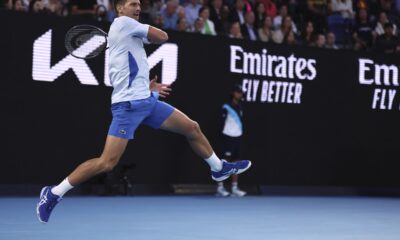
237,13
158,21
145,13
388,6
192,11
182,25
181,12
26,3
270,7
283,12
86,8
362,34
265,32
300,11
252,19
317,6
343,7
229,3
286,27
398,7
198,25
361,4
54,7
382,19
102,10
208,27
105,3
308,34
249,31
289,38
330,41
111,14
370,5
388,42
235,31
292,6
156,8
248,6
16,5
36,6
170,14
260,15
320,41
225,12
316,12
216,16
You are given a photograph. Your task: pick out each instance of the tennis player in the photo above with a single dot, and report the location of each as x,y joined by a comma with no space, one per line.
135,102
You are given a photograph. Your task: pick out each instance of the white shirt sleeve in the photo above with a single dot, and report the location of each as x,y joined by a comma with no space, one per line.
134,28
146,40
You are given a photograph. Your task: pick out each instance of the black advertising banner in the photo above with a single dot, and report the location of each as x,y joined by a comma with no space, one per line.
311,116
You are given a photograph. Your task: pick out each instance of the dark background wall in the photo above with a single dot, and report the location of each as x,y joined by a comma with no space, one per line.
333,137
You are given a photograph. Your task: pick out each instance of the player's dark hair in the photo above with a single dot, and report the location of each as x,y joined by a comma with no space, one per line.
118,2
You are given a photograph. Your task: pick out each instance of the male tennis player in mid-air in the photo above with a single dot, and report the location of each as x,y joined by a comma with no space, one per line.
134,102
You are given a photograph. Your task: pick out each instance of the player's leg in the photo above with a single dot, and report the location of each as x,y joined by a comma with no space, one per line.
113,150
166,117
122,128
179,123
50,196
127,116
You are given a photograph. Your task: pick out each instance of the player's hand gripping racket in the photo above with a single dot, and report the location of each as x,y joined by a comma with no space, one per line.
85,41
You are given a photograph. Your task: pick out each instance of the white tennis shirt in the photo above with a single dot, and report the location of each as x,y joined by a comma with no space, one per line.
128,67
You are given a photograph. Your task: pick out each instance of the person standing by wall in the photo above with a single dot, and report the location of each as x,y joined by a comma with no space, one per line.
232,131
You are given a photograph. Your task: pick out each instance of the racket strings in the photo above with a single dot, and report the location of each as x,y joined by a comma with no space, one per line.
85,42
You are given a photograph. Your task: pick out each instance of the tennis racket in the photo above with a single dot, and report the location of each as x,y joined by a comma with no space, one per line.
85,41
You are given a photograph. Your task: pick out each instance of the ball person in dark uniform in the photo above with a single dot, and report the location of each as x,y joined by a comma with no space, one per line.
231,135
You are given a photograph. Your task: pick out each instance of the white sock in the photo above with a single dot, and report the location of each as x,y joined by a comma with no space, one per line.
220,184
234,185
62,188
214,162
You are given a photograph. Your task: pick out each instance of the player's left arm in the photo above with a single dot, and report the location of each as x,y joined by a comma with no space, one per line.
156,35
162,89
143,31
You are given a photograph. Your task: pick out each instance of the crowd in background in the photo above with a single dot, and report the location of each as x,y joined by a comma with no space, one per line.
352,24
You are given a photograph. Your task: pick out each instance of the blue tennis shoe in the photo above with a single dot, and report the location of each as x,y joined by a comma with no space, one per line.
229,169
47,202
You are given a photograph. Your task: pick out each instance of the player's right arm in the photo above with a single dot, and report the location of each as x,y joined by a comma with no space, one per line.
156,35
136,29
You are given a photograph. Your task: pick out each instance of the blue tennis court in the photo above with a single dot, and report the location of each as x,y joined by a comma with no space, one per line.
204,217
